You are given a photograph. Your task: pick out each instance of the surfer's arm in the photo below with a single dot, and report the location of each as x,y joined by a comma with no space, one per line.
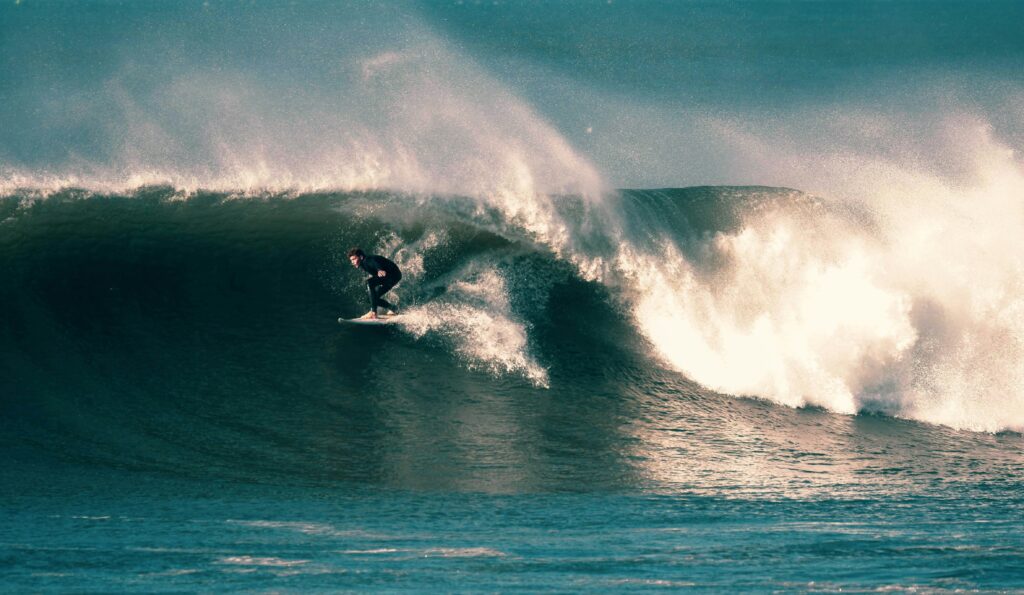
378,267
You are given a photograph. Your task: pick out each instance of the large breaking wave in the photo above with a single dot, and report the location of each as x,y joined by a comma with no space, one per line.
749,291
891,281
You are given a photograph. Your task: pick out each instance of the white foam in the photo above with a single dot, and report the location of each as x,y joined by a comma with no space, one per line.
919,313
463,552
476,316
783,317
261,561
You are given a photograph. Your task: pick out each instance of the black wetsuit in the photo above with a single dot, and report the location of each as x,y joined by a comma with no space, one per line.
377,286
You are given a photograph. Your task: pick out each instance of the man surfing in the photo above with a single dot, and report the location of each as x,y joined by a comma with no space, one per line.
384,275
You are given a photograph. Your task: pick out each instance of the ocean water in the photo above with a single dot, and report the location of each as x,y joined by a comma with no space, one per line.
718,296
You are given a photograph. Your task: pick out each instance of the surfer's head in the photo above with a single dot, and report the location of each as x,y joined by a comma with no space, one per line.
355,256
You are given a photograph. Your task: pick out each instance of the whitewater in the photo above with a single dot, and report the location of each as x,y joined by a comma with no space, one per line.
680,290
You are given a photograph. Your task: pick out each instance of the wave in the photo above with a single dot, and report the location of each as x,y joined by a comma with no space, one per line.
164,194
751,291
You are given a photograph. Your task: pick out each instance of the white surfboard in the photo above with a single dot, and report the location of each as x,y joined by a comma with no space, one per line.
371,321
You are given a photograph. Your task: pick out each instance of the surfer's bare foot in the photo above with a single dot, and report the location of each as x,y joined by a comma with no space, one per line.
369,315
390,313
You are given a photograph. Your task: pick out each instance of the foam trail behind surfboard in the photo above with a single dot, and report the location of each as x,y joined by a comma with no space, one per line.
370,321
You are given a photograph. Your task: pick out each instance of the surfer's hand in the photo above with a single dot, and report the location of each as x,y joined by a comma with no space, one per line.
381,273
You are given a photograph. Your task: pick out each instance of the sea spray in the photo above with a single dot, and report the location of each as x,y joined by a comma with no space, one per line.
898,290
476,315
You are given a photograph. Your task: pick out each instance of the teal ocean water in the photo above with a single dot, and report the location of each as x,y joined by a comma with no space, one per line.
708,296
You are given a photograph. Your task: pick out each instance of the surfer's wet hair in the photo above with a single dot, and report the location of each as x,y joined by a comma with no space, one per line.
356,252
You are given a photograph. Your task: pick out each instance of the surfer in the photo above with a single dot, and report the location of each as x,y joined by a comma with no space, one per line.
384,274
